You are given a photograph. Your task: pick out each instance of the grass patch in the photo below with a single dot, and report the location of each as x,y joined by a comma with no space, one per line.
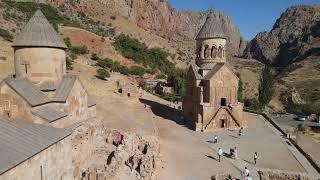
117,67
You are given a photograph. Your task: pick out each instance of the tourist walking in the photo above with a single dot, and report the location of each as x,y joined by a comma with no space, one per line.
240,131
246,172
215,139
255,157
220,153
235,151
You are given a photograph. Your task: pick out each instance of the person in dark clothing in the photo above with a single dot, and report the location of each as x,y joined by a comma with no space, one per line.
255,157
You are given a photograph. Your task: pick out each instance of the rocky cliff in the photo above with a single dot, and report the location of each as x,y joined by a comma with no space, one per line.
294,37
157,17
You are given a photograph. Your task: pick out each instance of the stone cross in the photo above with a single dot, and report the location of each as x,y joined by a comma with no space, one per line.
25,64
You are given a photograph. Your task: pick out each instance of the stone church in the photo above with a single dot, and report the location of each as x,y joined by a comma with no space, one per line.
212,87
41,91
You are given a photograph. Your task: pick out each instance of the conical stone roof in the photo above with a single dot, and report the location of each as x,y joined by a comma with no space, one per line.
39,33
212,28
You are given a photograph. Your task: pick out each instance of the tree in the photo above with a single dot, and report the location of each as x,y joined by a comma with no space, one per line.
266,86
240,88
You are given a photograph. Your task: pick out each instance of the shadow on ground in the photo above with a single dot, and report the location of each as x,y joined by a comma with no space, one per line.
211,157
164,111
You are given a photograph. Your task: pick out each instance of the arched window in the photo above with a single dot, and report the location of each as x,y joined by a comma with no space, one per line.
220,52
206,52
213,52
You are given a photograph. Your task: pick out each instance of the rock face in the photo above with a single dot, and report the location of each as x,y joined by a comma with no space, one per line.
294,36
160,18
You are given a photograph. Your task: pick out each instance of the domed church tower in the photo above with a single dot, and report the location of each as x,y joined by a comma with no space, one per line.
212,87
211,44
39,52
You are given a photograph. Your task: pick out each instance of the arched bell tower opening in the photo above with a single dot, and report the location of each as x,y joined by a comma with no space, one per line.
211,43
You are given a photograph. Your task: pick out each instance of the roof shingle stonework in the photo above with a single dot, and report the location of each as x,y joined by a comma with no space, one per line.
20,141
49,113
39,33
27,91
64,88
211,29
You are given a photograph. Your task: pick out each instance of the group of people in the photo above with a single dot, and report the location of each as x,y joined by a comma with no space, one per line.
233,151
234,154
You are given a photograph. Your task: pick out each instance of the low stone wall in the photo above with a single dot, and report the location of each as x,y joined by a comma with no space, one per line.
268,175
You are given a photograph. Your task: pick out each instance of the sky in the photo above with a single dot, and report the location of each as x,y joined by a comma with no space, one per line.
251,16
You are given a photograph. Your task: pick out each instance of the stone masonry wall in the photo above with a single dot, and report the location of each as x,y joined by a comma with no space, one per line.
40,64
55,162
12,105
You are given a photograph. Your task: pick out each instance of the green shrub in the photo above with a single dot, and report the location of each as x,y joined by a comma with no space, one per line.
105,63
29,8
161,76
252,104
67,41
69,63
73,56
240,88
304,109
6,35
113,17
154,58
102,73
79,49
94,57
137,70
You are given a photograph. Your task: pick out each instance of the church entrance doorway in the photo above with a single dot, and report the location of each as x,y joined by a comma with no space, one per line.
223,102
222,123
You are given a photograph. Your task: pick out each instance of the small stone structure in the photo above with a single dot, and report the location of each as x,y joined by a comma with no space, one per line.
164,88
41,91
212,87
129,90
32,151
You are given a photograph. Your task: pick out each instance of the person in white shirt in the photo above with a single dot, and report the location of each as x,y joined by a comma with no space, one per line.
215,139
246,172
220,153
